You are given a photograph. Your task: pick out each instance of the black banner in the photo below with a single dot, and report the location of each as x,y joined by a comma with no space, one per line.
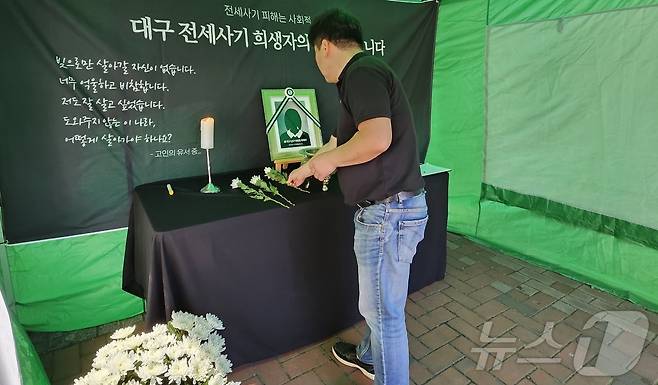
101,96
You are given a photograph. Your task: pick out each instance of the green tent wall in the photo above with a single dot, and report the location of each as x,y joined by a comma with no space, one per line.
585,249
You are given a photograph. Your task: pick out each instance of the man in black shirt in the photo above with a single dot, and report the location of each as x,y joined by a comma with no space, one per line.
375,155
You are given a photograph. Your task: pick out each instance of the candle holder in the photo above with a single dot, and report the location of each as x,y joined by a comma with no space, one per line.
210,188
207,143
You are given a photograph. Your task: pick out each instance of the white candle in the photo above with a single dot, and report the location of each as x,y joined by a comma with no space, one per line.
207,133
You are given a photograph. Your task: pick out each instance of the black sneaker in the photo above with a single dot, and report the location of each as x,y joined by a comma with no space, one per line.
346,354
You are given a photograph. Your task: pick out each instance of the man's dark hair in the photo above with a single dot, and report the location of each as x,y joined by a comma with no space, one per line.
337,26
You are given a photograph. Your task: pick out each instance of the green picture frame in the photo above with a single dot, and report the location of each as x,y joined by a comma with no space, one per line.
292,122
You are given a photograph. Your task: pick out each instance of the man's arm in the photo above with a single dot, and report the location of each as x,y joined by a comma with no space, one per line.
330,145
373,137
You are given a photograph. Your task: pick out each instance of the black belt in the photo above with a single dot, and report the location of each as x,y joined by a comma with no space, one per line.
399,197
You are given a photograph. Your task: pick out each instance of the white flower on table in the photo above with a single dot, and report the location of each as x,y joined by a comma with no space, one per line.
254,180
122,333
258,193
281,178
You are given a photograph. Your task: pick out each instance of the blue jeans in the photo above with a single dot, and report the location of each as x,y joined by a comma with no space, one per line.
385,240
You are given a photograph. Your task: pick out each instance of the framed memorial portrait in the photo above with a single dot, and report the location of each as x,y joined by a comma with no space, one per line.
292,122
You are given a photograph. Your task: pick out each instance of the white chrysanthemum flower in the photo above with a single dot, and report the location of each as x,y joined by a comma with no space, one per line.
107,350
175,351
182,320
200,369
131,343
223,364
98,362
123,333
201,320
121,363
158,330
214,322
217,380
157,342
215,346
233,383
170,339
235,183
198,358
217,341
207,352
189,343
195,353
151,372
112,380
81,381
101,376
152,356
201,330
254,179
104,354
143,336
178,371
117,348
267,170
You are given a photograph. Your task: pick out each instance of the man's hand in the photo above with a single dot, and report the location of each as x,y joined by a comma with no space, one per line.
322,165
298,176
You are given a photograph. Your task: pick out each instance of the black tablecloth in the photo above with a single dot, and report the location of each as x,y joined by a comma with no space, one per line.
278,278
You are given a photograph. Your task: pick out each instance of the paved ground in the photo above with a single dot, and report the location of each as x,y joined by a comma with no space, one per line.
485,296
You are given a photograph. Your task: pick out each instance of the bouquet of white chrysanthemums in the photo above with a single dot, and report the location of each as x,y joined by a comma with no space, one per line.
186,351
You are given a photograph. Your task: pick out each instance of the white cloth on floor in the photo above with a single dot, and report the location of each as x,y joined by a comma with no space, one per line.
9,373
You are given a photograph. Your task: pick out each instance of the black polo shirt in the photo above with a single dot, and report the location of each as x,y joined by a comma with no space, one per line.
369,89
